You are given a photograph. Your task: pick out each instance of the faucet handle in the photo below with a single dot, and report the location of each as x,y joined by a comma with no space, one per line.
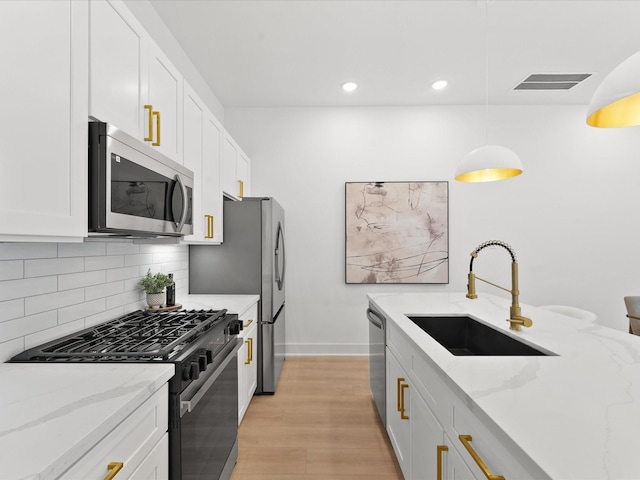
518,321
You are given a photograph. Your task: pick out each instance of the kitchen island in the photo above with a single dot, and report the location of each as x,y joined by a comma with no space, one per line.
572,414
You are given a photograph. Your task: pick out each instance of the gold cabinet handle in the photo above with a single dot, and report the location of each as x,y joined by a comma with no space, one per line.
114,468
149,136
209,226
157,142
399,382
241,186
466,441
250,350
249,322
441,449
248,341
402,410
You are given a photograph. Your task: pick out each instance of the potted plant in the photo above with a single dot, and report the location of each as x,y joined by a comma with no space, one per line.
154,285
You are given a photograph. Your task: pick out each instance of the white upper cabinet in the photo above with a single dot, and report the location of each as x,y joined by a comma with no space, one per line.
132,84
202,142
43,126
236,169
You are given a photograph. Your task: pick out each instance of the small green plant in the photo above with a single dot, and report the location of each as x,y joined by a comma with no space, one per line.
155,283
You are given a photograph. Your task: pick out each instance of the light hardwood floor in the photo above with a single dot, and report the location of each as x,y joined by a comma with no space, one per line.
320,425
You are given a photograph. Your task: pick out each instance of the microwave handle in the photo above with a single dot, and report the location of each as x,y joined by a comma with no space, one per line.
185,205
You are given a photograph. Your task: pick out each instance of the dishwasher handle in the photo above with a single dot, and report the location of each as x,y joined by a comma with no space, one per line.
375,318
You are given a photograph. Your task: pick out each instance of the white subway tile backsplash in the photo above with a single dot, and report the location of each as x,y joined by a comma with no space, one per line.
21,251
53,266
11,309
87,249
125,299
58,331
84,279
103,263
49,290
81,310
11,269
122,248
122,274
11,348
11,289
23,326
53,301
103,290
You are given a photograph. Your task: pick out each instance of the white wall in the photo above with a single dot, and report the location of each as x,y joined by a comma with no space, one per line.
571,217
48,290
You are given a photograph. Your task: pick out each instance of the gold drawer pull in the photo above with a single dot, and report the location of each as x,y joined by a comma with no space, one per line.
400,380
241,185
249,342
466,441
402,410
114,468
149,136
249,322
250,350
441,449
209,226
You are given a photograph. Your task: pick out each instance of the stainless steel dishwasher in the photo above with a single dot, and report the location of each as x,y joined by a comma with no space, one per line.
377,361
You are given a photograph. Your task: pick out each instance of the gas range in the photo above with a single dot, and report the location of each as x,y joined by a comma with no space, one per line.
203,393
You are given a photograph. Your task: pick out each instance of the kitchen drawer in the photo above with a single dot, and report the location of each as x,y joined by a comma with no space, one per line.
431,386
249,318
502,457
130,442
401,346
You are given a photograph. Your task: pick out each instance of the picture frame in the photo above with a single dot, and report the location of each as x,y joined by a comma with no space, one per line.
397,232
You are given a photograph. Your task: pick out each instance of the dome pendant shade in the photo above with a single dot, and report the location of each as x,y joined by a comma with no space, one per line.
616,102
489,163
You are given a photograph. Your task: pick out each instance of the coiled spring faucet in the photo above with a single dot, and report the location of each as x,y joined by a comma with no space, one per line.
516,320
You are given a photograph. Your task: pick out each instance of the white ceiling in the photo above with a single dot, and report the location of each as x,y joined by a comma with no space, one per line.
256,53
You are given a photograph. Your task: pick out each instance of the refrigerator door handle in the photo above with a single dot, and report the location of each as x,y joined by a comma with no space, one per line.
280,275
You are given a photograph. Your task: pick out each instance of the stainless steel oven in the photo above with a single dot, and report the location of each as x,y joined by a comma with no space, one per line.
135,190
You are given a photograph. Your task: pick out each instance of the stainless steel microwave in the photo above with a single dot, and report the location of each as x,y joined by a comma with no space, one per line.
133,189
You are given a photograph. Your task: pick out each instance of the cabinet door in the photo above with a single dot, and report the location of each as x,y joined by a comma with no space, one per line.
194,120
118,72
43,139
212,194
426,436
398,413
155,466
248,361
229,172
243,174
165,97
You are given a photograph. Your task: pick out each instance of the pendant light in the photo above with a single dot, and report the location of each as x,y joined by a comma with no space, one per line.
490,162
616,102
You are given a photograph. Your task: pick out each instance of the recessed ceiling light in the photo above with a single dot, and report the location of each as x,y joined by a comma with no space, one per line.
349,86
439,85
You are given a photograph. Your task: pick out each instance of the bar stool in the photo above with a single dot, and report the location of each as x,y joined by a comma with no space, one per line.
633,313
574,312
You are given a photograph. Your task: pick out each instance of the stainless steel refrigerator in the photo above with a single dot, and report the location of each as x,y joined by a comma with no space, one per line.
251,260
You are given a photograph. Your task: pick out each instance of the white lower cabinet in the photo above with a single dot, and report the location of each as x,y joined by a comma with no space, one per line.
433,432
137,448
248,360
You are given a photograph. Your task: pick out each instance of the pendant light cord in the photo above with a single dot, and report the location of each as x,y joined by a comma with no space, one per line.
486,72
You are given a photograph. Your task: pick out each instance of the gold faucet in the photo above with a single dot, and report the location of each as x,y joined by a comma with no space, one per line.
516,320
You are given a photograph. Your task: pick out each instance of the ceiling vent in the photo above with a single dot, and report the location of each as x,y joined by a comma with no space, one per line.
552,81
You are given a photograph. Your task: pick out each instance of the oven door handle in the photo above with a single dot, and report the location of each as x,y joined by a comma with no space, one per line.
192,403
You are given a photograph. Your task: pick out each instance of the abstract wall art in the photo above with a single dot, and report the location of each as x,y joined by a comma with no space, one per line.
397,232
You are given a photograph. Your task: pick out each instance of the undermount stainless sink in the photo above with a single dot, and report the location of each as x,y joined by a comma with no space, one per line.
463,335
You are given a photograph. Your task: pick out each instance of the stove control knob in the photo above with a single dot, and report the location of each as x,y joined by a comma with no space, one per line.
202,362
194,371
186,373
209,355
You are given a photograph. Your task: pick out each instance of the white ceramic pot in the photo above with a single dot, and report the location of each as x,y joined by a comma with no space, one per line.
155,300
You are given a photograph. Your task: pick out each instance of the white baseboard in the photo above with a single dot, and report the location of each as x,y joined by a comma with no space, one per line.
326,349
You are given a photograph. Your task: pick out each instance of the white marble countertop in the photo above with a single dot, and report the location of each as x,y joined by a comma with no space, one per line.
233,303
52,414
576,414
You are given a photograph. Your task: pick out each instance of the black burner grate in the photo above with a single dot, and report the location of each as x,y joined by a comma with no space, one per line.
140,335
